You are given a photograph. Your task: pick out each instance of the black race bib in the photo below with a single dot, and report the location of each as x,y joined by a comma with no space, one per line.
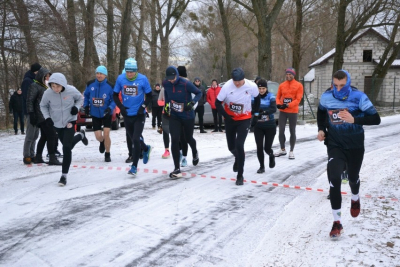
334,116
131,90
263,118
97,102
178,107
287,100
237,108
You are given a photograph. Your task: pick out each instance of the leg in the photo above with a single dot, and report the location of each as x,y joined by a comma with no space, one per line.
153,117
269,139
336,163
242,131
215,113
292,128
159,115
188,127
282,125
107,139
21,122
183,142
219,122
136,133
16,117
30,140
41,143
354,162
200,111
175,130
259,137
66,136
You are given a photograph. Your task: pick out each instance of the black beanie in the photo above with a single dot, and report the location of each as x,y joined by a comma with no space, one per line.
35,67
182,71
262,83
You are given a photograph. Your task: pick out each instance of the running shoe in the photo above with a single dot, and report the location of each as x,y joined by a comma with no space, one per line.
85,141
166,154
280,152
146,155
196,159
271,161
183,162
261,170
239,180
345,177
337,230
102,148
129,159
291,155
133,171
355,208
63,181
175,174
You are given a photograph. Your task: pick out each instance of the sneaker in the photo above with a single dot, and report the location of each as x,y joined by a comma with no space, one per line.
16,133
202,131
129,159
63,181
175,174
337,230
85,141
239,180
261,170
220,130
58,154
328,196
102,148
38,159
355,208
235,166
107,157
27,160
183,162
133,171
141,154
271,161
159,130
196,159
291,155
23,133
154,127
279,153
215,131
166,154
345,177
146,155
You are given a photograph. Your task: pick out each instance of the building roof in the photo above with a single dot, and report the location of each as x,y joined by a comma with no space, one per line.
310,76
396,63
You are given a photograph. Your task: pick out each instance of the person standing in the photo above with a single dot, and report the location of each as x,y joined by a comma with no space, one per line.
212,94
342,112
59,107
99,103
136,96
288,98
178,94
16,108
166,113
236,95
156,110
200,105
27,81
264,125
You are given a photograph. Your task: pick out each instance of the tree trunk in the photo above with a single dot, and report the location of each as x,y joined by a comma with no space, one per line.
88,54
225,27
297,38
340,36
110,42
6,86
153,45
139,42
125,33
164,55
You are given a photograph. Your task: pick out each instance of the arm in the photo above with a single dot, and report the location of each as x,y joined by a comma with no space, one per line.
374,119
78,98
44,106
271,109
220,108
86,95
256,105
161,101
298,97
117,101
30,98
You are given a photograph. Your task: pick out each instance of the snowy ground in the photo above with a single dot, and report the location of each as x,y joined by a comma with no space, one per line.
104,217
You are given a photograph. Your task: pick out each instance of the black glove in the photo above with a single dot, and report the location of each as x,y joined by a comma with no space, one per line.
123,111
74,110
141,110
283,106
189,106
107,112
32,119
254,121
147,115
87,110
49,122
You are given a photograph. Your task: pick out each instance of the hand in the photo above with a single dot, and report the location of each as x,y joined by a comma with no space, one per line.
141,110
147,115
283,106
321,135
346,116
32,119
74,110
189,106
49,122
123,111
166,109
87,110
254,121
263,112
107,112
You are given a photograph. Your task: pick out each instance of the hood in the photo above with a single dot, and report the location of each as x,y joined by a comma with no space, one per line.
29,74
41,74
345,91
58,78
177,74
15,93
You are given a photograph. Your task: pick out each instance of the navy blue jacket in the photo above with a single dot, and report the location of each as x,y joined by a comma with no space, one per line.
99,95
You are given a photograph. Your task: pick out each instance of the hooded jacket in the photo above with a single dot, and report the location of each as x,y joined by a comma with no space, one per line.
16,102
212,95
57,106
290,93
28,80
35,94
99,96
179,94
203,98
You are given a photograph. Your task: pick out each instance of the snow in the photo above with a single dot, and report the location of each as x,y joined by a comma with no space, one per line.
310,76
104,217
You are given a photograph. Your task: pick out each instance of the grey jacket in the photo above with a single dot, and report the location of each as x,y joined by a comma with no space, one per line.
58,106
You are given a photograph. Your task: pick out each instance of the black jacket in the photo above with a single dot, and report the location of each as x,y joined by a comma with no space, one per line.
28,80
154,98
35,94
203,98
16,103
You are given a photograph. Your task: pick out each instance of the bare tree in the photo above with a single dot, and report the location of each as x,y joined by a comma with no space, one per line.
125,33
225,27
110,41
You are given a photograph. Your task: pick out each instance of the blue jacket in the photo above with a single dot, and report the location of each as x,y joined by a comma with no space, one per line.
267,110
99,95
133,92
179,94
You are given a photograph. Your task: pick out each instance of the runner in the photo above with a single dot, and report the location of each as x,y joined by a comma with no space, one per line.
236,95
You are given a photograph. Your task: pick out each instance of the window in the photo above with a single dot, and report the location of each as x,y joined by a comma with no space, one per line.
367,56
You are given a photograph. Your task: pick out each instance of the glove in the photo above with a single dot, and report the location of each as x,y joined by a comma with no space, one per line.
141,110
32,119
74,110
254,121
166,108
107,112
283,106
147,115
189,106
49,122
87,110
123,111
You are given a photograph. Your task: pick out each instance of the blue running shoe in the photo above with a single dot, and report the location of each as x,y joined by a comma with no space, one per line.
133,171
184,162
146,154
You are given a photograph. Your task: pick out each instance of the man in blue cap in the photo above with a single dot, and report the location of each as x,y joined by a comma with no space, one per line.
100,105
136,96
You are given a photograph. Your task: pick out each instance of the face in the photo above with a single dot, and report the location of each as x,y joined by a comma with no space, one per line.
197,82
47,77
214,84
56,87
339,84
289,77
262,90
158,88
19,92
100,76
130,74
238,83
172,81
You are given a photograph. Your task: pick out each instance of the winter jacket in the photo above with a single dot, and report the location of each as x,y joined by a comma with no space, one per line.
28,80
266,112
16,103
203,98
179,94
290,92
212,94
57,106
99,96
154,99
35,94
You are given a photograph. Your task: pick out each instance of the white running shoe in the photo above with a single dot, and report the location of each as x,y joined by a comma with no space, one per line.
291,155
279,153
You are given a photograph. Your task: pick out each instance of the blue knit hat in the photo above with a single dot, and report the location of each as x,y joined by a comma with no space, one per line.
102,69
237,74
131,65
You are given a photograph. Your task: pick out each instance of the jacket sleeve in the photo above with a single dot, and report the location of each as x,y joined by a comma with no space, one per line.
10,104
299,96
279,95
161,101
220,108
30,98
45,106
374,119
208,97
86,95
194,90
272,107
256,105
322,118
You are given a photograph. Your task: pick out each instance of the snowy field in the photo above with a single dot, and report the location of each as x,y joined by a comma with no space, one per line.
105,217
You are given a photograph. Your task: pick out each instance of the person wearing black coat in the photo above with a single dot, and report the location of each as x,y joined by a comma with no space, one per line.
156,110
200,106
16,108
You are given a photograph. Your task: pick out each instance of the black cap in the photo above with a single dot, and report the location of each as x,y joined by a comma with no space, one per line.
262,83
35,67
182,71
237,74
170,73
157,84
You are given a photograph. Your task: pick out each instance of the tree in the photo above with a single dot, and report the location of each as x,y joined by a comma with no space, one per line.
125,33
225,27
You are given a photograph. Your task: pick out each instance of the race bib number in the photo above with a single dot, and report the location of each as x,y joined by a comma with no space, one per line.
178,107
287,100
264,118
98,102
237,108
131,90
334,116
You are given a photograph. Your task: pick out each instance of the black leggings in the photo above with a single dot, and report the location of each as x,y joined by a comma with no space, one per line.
264,139
156,113
47,134
217,124
283,117
200,111
337,160
143,145
236,133
165,127
68,139
176,125
134,128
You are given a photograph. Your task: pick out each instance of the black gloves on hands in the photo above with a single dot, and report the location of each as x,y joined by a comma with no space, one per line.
254,121
141,110
283,106
123,111
189,106
32,119
107,112
49,122
74,110
87,110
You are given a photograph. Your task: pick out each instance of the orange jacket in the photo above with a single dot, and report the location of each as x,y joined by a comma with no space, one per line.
212,94
290,93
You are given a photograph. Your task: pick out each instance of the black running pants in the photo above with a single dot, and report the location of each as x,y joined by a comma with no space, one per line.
68,139
134,128
264,138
